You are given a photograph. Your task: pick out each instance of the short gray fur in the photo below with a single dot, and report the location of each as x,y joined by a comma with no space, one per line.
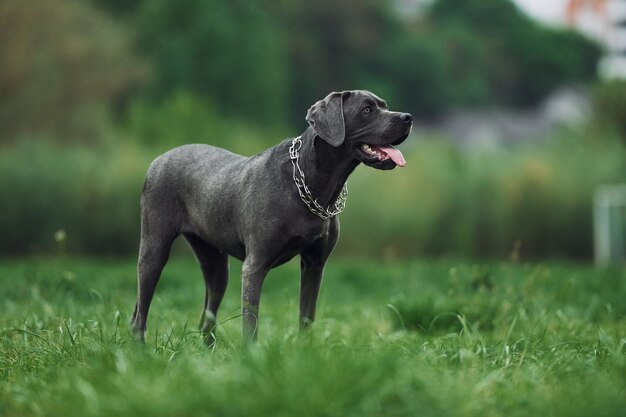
227,204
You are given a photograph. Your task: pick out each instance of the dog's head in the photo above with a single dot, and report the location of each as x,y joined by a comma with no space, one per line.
361,122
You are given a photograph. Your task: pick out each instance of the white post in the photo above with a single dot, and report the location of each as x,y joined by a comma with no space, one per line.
608,204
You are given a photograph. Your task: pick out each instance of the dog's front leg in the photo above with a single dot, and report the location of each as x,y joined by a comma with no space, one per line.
312,271
252,274
312,263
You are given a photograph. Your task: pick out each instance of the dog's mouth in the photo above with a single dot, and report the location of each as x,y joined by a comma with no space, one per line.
376,153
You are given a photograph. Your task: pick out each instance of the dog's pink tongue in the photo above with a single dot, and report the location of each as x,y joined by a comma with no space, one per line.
395,155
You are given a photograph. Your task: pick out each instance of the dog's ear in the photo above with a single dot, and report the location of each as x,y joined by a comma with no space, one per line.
326,118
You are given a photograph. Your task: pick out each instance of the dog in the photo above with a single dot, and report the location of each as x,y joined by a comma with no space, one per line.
265,209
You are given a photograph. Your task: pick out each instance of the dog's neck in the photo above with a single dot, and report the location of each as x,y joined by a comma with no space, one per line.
326,168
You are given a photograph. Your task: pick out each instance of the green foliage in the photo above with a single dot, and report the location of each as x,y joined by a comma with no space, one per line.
333,46
64,65
73,64
179,119
466,67
121,7
293,53
609,101
555,347
184,118
478,14
463,53
230,52
530,201
92,196
418,70
521,61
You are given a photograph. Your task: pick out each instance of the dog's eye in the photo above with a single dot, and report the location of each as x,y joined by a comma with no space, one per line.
367,110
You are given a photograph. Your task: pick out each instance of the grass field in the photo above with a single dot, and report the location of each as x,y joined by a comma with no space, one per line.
409,338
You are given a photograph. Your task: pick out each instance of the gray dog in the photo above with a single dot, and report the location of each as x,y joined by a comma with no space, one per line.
262,210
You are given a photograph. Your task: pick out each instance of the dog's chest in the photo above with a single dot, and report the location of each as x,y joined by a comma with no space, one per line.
298,239
306,233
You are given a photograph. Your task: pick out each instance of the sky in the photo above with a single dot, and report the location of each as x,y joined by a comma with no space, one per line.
551,11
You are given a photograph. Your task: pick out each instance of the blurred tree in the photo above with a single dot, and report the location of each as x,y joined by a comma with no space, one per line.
121,7
482,16
232,52
268,62
416,68
523,61
609,103
334,45
63,63
466,67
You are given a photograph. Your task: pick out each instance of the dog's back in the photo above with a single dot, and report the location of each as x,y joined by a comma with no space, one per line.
187,184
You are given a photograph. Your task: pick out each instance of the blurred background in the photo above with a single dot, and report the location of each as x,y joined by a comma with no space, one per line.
520,107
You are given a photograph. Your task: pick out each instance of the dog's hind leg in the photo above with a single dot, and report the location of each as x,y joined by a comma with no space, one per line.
154,251
214,266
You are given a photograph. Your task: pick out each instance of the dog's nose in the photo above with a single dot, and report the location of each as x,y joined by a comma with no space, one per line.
406,117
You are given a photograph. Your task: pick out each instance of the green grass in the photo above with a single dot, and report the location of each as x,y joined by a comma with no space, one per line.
427,338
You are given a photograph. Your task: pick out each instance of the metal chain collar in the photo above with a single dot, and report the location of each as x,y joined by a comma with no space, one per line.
303,190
